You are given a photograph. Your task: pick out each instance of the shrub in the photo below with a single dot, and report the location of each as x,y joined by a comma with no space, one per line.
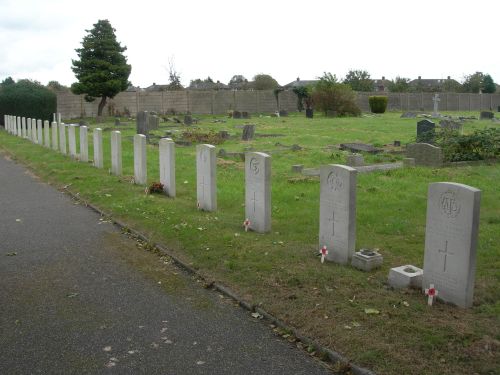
27,99
329,95
155,188
378,104
480,145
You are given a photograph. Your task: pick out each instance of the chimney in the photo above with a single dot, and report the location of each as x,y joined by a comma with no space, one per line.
419,78
383,78
449,78
298,79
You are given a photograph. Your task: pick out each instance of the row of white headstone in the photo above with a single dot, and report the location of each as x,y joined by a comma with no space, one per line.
452,209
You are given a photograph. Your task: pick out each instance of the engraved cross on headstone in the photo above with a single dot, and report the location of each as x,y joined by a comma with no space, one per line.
332,220
254,200
446,253
202,186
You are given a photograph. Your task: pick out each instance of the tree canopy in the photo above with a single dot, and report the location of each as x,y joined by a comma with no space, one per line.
102,70
359,80
264,82
399,84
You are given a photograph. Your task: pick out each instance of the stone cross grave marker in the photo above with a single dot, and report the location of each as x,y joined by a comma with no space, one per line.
167,165
206,177
140,161
337,224
258,191
55,136
62,138
451,235
98,152
116,153
72,140
46,133
436,101
84,144
39,132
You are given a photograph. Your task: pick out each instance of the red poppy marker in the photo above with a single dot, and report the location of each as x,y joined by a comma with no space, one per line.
246,224
431,292
324,253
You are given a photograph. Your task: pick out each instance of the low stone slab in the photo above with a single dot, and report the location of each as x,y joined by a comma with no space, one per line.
367,260
486,115
358,147
407,276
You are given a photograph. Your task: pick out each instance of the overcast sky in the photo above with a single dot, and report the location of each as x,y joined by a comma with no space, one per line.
286,39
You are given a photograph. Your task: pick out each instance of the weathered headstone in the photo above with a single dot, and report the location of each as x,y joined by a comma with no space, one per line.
62,138
167,166
72,140
18,127
206,177
425,154
39,132
258,191
188,120
98,152
34,133
84,144
451,235
117,121
55,136
46,133
59,118
450,125
245,115
153,122
116,153
28,128
23,127
486,115
248,132
142,123
355,160
426,130
337,226
237,114
140,161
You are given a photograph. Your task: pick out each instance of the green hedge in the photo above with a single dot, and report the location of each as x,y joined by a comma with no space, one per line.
378,104
27,99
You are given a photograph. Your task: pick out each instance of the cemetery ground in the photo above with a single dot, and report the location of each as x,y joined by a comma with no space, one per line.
347,310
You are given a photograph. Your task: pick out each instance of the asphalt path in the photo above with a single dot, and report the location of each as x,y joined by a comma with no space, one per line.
79,297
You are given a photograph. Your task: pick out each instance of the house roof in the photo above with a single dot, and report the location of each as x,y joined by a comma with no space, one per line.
208,86
426,82
299,83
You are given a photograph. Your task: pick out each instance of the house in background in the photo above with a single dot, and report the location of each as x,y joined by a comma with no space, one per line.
381,85
300,83
433,85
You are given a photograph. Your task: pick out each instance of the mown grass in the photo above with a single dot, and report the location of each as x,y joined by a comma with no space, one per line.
280,270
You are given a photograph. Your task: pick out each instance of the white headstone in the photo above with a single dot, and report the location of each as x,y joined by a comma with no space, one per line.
337,212
206,178
46,133
84,144
451,234
116,153
167,166
72,140
39,132
140,161
55,136
23,127
34,132
59,119
28,128
98,153
258,191
18,126
62,138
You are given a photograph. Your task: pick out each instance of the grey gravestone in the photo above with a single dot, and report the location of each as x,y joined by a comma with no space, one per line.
140,161
98,153
84,143
409,115
367,260
451,234
425,154
72,140
407,276
153,122
355,160
450,125
46,133
248,132
62,137
309,113
167,166
297,168
55,136
283,113
357,147
117,121
258,191
142,123
188,120
206,177
245,115
116,153
237,114
426,128
486,115
337,212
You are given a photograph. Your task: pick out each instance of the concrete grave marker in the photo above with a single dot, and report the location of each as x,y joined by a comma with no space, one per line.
62,138
258,191
248,132
142,122
425,154
98,152
486,115
167,165
18,127
206,177
55,136
140,161
116,153
72,140
28,128
84,144
34,134
46,132
23,127
451,235
39,132
153,122
337,226
426,130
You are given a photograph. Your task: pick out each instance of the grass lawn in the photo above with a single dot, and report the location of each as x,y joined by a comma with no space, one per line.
281,270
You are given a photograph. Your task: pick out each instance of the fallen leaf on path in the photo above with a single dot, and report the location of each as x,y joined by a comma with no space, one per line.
200,363
71,295
371,311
